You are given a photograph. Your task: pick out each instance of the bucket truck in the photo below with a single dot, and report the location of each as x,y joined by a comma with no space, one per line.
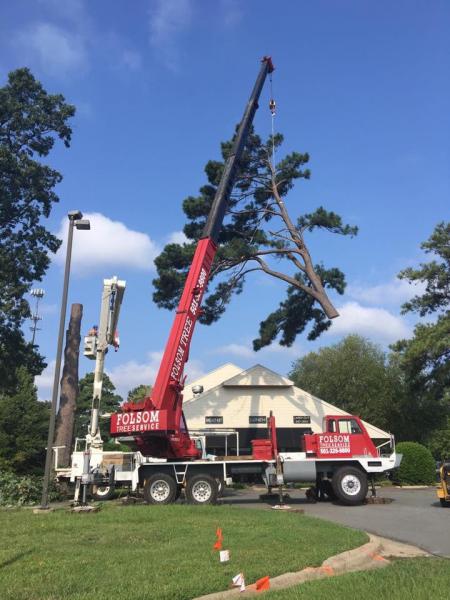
89,463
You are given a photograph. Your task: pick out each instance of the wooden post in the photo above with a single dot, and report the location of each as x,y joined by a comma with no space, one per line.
69,387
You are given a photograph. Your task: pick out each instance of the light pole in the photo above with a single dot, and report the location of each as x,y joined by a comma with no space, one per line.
37,293
75,220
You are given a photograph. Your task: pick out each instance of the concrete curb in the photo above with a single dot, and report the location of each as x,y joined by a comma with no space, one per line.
413,487
371,555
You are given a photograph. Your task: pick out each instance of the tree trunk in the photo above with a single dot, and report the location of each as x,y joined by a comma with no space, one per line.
69,387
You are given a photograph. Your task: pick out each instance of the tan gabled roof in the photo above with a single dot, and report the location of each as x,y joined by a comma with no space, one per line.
211,380
231,376
258,376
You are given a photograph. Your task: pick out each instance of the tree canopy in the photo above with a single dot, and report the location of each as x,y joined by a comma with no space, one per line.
354,375
138,393
23,427
258,235
30,122
425,358
110,403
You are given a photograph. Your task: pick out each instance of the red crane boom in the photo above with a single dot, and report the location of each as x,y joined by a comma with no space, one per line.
158,422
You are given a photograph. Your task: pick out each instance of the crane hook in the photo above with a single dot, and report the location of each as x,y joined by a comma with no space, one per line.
272,106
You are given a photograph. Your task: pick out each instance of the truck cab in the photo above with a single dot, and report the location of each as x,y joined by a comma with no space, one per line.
344,436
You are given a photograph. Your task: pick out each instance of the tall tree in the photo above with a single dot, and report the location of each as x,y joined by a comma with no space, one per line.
23,427
425,358
258,235
357,376
110,403
30,122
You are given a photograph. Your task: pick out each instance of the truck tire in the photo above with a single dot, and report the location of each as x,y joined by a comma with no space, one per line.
160,488
350,485
102,492
444,502
202,489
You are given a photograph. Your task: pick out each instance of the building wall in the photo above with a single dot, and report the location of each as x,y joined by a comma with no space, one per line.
242,401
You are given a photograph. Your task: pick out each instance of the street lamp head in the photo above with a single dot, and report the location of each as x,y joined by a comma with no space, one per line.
83,224
37,292
74,215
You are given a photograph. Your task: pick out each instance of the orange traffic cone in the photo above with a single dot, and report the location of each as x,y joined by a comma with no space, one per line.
263,584
219,539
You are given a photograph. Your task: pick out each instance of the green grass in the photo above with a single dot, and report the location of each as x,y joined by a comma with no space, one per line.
155,553
406,579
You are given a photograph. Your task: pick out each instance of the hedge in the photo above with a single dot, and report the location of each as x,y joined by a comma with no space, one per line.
417,467
20,490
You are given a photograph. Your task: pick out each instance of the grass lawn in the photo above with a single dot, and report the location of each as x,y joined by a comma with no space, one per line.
406,579
155,553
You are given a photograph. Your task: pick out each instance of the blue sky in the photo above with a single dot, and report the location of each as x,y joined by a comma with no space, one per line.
363,86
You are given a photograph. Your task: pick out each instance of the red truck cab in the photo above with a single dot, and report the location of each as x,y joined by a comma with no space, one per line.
344,436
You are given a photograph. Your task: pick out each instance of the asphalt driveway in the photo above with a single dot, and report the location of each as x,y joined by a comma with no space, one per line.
414,516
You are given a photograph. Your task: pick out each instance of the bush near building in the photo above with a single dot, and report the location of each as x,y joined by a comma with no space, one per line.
417,466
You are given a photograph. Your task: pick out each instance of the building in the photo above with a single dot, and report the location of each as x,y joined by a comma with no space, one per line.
235,403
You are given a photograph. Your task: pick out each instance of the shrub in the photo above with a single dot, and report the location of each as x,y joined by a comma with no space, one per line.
19,490
417,466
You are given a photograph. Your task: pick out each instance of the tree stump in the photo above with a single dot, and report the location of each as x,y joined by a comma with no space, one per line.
69,387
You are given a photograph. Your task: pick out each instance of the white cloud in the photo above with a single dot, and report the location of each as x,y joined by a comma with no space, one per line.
394,292
72,10
44,381
246,351
232,12
108,244
240,350
55,50
375,323
132,373
168,19
177,237
47,309
131,60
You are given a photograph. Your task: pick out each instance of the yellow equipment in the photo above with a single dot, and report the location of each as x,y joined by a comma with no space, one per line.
443,492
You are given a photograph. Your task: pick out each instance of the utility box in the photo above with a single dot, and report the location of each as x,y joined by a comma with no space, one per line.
262,449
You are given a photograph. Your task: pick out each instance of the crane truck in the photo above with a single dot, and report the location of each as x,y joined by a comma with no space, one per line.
169,460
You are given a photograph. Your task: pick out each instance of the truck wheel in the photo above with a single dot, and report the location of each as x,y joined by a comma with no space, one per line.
350,485
444,502
160,488
102,492
202,489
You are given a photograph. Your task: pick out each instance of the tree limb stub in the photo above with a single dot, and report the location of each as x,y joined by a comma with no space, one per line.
317,290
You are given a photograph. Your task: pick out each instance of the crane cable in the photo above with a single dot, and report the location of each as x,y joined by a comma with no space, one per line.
272,108
238,270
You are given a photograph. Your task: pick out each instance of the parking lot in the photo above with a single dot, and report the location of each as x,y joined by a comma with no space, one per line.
415,515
